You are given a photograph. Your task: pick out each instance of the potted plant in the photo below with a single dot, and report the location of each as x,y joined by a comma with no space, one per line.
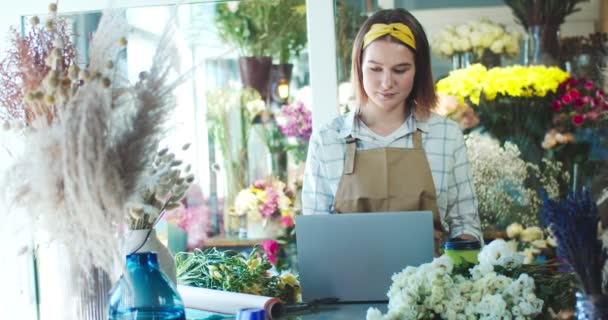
261,30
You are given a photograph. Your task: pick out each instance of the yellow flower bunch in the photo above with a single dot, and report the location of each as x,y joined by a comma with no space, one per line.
513,81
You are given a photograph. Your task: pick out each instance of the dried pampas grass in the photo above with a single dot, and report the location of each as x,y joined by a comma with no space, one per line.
77,173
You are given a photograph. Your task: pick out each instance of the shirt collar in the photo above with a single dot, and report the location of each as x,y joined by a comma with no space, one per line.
349,124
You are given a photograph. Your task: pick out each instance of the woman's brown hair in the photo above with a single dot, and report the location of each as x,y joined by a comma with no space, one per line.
423,93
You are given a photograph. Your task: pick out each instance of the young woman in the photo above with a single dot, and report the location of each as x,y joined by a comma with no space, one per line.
393,153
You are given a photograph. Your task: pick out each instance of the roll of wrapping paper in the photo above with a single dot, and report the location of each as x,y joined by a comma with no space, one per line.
228,302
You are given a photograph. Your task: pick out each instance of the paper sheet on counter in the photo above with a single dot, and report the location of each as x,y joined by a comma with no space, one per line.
228,302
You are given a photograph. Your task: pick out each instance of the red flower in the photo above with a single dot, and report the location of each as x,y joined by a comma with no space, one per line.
287,221
271,247
578,102
566,99
595,102
589,85
557,105
574,93
599,93
578,119
571,81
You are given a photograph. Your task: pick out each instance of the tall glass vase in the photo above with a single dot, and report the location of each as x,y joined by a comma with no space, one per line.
461,59
541,45
279,165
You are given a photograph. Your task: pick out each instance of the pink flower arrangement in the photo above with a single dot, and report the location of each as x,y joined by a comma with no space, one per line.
266,199
579,103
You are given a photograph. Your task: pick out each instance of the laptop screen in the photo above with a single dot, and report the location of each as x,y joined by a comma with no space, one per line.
352,257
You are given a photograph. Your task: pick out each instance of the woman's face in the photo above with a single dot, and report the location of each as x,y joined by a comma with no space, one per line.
388,70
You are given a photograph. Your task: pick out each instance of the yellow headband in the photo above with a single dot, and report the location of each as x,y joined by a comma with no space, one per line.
397,30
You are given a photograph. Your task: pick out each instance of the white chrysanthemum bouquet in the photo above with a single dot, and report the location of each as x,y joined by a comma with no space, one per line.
493,289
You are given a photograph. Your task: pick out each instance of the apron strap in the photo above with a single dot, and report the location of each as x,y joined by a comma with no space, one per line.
417,139
351,150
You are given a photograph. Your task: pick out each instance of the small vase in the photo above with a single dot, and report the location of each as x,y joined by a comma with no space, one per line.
145,292
133,244
591,306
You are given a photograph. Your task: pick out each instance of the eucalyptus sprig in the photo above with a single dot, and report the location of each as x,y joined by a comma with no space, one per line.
162,189
232,271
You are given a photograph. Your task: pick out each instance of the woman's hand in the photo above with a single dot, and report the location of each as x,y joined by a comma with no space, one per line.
466,236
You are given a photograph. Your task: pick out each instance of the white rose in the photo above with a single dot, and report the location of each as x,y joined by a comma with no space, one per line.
463,30
475,38
465,44
497,46
233,6
446,48
486,40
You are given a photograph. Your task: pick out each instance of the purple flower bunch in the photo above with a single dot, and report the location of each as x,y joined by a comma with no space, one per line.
574,222
295,120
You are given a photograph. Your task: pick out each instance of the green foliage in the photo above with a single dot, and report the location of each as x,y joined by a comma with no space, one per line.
264,27
232,271
349,19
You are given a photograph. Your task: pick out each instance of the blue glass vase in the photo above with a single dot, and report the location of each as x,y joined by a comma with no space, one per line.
145,292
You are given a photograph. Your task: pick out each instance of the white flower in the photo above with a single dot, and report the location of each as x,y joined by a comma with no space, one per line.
541,244
233,6
446,48
493,251
245,202
497,46
493,305
514,229
374,314
481,270
531,233
255,107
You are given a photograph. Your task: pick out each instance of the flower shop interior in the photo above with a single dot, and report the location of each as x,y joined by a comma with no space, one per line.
153,155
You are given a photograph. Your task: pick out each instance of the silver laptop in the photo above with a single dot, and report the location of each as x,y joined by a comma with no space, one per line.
352,257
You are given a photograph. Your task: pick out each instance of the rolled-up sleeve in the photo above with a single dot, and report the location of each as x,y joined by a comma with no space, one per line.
462,215
317,197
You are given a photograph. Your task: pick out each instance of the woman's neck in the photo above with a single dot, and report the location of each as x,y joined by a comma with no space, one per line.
383,123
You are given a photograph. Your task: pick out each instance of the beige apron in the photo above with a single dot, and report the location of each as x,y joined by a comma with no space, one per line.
388,179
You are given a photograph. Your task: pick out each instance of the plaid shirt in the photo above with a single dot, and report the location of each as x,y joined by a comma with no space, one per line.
445,150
